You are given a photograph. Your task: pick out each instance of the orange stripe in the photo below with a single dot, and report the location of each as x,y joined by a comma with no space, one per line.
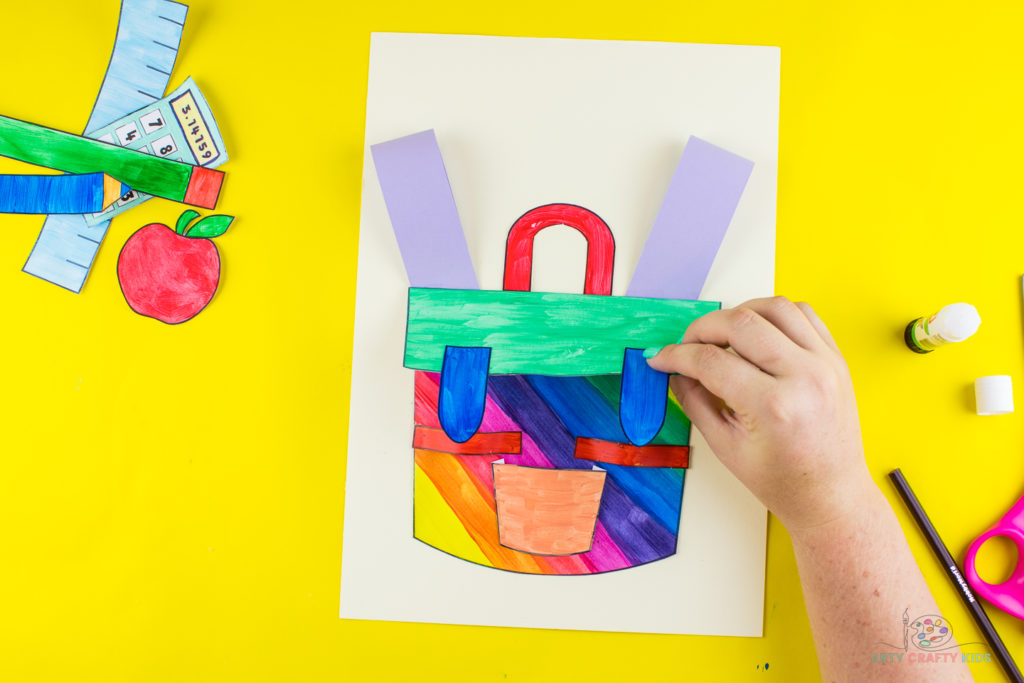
475,511
599,450
481,443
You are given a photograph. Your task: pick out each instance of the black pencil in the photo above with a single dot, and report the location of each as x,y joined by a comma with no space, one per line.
955,575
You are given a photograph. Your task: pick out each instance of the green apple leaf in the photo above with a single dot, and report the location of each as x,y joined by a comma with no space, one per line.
187,217
211,226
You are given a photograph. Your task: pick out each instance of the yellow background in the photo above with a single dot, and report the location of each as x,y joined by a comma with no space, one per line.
171,498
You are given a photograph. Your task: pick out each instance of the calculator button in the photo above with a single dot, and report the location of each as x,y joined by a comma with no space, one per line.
131,195
164,146
127,134
152,122
107,137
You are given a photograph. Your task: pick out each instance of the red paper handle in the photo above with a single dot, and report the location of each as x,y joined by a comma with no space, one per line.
600,246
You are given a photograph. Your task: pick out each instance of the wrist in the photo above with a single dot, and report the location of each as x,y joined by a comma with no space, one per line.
852,505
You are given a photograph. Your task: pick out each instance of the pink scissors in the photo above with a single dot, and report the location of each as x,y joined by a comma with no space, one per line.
1008,595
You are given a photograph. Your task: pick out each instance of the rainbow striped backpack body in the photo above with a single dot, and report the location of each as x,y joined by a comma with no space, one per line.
543,442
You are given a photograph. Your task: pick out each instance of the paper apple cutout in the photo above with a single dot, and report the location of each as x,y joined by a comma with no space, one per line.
171,275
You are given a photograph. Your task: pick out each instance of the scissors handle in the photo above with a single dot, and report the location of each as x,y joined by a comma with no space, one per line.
1008,595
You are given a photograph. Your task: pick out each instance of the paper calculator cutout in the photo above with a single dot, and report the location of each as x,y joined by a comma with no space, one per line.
179,127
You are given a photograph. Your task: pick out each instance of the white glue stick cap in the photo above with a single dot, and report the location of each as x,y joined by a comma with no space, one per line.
957,322
994,395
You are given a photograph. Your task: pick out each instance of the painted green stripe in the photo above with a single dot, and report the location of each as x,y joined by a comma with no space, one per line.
676,429
75,154
609,386
542,333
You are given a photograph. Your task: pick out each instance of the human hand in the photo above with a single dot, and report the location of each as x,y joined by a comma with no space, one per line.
780,412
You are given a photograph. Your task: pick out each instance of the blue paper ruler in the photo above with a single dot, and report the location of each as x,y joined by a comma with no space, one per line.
148,35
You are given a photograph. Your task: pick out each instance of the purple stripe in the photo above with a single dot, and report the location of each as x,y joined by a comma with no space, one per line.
522,404
691,222
604,554
422,210
638,535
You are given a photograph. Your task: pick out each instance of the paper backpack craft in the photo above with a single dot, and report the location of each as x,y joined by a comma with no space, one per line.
539,427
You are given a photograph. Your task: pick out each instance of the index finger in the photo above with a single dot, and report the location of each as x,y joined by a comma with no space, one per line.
724,374
787,317
750,334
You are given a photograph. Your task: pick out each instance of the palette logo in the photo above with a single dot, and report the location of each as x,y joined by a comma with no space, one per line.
931,636
931,633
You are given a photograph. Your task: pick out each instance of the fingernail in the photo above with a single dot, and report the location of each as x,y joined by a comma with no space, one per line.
652,351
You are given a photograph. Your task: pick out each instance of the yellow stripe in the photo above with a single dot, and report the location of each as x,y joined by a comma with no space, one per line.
437,525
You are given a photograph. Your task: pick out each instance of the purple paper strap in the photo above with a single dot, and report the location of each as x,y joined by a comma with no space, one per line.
691,222
423,214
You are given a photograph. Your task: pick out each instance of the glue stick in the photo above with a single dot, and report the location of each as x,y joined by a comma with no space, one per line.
953,323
